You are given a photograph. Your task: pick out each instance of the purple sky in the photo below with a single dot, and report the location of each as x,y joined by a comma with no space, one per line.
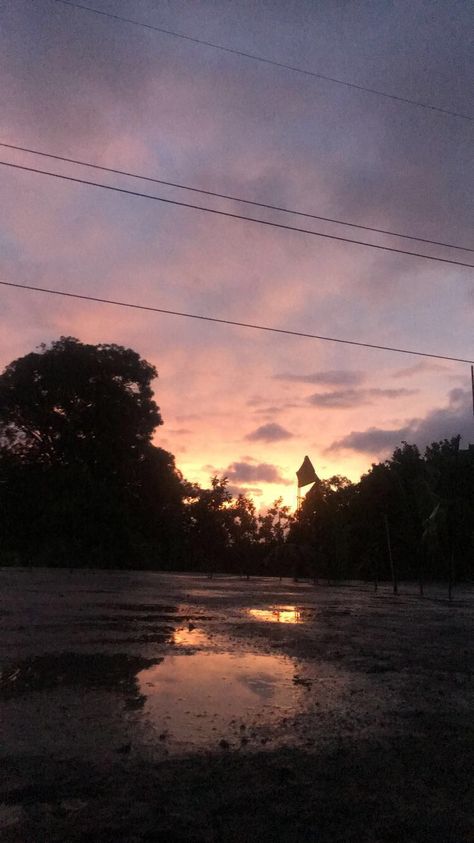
249,404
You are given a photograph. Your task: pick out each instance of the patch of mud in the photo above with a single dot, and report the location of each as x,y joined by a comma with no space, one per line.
371,741
140,607
162,637
115,671
134,619
408,790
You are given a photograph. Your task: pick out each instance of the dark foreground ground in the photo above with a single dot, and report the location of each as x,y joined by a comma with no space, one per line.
143,707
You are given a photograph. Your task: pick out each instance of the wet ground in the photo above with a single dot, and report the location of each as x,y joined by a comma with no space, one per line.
142,706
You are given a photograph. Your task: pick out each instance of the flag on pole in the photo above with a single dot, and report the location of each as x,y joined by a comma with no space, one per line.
306,473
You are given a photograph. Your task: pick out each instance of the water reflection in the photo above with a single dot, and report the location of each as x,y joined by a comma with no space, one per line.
279,614
197,699
189,636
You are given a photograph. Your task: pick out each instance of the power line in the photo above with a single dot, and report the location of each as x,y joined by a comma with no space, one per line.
232,322
230,197
262,59
234,216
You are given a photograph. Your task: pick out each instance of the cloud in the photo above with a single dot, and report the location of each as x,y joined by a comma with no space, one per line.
422,366
374,440
244,472
331,377
440,423
270,432
235,491
346,398
274,410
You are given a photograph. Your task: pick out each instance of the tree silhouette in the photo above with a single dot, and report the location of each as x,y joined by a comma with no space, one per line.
73,403
82,482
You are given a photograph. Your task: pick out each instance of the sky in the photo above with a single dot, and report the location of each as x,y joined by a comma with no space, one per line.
242,403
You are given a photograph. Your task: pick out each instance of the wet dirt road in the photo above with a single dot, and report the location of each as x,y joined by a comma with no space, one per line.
143,706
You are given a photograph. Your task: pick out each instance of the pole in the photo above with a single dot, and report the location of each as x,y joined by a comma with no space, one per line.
472,385
451,575
420,571
389,546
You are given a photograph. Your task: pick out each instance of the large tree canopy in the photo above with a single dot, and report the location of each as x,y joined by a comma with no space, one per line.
73,403
80,480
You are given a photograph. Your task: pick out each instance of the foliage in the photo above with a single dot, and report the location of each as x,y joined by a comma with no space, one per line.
425,502
81,483
273,526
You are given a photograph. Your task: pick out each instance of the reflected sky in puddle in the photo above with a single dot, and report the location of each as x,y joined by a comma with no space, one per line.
189,636
196,700
279,614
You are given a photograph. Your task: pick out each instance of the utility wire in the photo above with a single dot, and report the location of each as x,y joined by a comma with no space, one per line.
232,322
234,216
229,197
263,60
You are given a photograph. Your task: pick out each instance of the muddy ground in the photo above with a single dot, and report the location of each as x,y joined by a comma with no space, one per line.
142,707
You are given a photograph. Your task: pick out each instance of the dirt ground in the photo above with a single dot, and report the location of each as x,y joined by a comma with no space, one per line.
158,707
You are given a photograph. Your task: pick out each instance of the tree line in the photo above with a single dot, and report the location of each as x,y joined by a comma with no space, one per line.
82,484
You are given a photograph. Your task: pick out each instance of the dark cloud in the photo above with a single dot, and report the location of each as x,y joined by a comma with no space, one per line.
418,368
270,432
374,441
244,472
274,410
331,377
441,423
62,62
343,398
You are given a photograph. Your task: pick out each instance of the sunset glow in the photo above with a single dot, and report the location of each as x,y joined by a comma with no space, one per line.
236,402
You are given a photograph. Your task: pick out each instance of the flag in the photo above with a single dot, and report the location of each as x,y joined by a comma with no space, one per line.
306,473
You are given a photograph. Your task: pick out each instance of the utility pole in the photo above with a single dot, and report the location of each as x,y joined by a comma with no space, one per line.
472,385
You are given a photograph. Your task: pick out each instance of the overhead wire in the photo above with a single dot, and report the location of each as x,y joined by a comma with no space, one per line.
229,197
231,215
232,322
255,57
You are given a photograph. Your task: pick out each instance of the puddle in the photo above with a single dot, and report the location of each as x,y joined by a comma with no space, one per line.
212,699
281,614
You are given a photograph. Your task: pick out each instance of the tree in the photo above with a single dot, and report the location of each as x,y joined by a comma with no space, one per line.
242,527
323,523
207,520
82,481
77,404
274,524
